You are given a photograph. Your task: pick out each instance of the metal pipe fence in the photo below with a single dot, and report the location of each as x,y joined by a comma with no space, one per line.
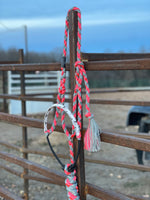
93,62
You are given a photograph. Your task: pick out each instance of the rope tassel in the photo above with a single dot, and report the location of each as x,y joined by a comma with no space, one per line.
92,136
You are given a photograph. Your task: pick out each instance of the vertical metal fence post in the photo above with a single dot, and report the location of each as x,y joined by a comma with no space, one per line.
24,129
4,80
73,26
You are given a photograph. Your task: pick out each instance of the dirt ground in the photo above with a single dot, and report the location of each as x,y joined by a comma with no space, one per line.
115,178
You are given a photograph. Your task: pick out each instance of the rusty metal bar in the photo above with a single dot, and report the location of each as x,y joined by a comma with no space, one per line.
21,121
113,56
94,91
100,161
120,102
108,137
126,141
73,29
58,177
104,194
4,80
29,177
31,67
9,62
43,179
7,194
135,197
92,101
12,146
10,170
48,180
136,64
24,129
127,133
49,173
119,164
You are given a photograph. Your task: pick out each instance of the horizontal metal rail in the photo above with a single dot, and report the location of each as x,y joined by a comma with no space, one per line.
134,64
113,56
8,195
31,67
95,91
9,62
105,194
59,177
100,161
127,133
27,176
92,101
89,187
49,173
108,137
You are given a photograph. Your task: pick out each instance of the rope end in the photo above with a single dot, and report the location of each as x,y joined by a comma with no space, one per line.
92,136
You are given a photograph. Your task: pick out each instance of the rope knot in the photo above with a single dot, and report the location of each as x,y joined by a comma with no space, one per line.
79,64
71,183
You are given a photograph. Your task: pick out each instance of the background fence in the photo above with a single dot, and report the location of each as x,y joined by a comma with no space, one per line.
35,82
93,62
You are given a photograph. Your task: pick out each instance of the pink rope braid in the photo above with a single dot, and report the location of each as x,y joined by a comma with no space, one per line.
62,89
71,183
80,76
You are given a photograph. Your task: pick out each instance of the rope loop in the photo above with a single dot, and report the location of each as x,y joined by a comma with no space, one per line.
69,169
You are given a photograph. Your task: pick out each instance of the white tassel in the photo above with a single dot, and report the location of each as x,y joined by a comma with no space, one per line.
92,136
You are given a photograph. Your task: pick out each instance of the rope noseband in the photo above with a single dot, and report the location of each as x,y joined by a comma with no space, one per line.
69,169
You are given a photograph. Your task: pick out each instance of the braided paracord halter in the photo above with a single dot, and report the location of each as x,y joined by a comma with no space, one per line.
92,142
69,169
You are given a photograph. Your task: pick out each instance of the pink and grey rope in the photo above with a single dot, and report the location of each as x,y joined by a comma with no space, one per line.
80,75
71,183
62,89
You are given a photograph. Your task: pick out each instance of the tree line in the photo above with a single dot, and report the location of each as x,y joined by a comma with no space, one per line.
128,78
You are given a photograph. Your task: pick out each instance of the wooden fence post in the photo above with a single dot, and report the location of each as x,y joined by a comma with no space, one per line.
24,129
73,26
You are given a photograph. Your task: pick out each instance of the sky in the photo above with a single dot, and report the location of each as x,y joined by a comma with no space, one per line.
107,25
